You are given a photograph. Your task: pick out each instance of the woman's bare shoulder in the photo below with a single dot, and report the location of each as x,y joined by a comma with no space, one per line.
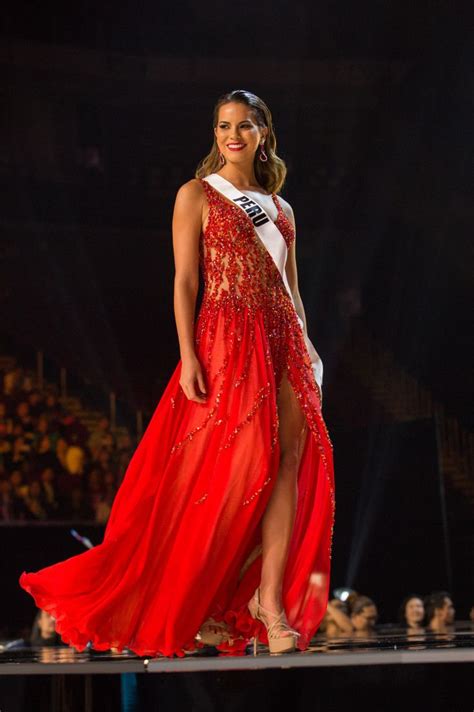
190,190
190,200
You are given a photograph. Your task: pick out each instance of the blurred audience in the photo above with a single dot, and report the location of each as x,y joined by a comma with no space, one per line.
358,615
51,466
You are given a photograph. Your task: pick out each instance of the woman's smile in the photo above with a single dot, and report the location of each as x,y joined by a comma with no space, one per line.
236,146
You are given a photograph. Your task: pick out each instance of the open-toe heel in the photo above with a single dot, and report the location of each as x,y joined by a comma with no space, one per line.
277,643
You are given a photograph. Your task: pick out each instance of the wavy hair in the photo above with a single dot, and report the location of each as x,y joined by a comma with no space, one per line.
402,611
270,174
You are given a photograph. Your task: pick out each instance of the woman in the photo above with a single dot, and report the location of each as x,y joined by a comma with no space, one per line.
411,613
221,530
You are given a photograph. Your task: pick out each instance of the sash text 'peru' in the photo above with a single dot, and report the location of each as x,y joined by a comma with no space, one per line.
254,211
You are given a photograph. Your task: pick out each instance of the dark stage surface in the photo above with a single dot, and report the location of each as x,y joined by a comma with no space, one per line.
389,646
385,671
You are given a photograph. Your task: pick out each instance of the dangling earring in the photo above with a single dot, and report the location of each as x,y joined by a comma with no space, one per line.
221,158
263,156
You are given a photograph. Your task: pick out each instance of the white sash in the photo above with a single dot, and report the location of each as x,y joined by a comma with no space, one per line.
274,242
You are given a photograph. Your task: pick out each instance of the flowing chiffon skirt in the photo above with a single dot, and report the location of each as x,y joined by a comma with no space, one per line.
183,540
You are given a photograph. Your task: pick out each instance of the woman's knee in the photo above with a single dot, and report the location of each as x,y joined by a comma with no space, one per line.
289,461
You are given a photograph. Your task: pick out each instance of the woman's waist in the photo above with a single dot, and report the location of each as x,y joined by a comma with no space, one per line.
262,300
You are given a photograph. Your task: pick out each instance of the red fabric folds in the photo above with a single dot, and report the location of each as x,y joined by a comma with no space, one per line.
183,539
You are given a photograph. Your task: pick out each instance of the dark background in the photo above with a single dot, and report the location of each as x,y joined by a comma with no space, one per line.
107,110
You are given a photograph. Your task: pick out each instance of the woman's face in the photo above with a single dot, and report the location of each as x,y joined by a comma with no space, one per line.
414,610
237,125
366,618
46,623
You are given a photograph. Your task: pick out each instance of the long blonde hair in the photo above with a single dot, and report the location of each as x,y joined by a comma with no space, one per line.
270,174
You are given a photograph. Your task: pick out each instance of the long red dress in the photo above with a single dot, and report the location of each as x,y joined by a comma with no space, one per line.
183,540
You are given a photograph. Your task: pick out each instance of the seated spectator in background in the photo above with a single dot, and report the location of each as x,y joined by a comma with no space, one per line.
440,612
77,507
44,427
336,621
61,450
6,423
73,430
75,456
6,502
44,455
18,493
43,630
28,381
18,454
22,416
13,381
52,409
35,403
50,492
411,613
363,615
125,444
104,505
6,448
101,437
103,462
34,501
94,489
102,511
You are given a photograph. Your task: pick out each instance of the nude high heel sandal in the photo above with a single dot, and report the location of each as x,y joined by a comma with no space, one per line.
276,643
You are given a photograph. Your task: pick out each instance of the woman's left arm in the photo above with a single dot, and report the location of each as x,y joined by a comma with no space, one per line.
291,268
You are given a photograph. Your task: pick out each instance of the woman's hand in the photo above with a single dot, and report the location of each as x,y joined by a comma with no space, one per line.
192,379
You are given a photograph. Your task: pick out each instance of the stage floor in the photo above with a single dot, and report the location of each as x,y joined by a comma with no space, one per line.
387,646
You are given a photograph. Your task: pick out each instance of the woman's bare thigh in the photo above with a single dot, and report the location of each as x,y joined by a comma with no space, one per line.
292,423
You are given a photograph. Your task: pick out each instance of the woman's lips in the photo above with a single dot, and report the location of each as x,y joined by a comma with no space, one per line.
236,148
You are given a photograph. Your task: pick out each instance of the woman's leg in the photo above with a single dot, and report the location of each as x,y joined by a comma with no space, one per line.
278,519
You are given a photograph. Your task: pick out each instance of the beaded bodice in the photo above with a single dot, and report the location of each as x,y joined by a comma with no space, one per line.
234,262
241,278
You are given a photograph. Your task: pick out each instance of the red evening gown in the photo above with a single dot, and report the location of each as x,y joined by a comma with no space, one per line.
183,540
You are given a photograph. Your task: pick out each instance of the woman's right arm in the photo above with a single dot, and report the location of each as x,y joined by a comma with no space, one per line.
186,227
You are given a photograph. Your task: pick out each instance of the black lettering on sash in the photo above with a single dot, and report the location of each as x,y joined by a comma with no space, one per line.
254,211
261,220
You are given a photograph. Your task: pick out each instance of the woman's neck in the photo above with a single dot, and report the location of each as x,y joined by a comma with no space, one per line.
242,178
